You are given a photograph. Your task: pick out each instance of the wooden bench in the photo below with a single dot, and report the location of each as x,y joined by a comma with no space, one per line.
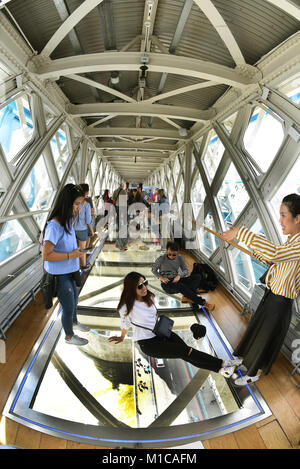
15,294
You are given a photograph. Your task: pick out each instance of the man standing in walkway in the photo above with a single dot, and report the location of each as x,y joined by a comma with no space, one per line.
120,199
172,271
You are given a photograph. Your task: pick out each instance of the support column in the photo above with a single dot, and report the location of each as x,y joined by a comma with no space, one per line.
188,172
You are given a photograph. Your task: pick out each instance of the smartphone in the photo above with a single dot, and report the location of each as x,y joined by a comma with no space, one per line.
84,250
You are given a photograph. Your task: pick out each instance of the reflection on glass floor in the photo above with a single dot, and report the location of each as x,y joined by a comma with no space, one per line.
104,285
134,389
82,382
113,395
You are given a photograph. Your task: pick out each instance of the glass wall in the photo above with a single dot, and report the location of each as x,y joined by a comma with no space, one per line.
263,136
39,187
60,149
38,190
291,88
180,192
232,196
248,270
16,126
207,241
13,239
197,194
229,123
213,154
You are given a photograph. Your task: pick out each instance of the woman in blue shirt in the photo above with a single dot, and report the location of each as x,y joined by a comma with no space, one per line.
61,257
83,221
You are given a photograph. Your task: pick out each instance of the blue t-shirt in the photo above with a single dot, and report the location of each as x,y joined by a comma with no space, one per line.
63,242
83,217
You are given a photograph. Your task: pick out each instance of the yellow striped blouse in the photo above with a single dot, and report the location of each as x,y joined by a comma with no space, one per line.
283,277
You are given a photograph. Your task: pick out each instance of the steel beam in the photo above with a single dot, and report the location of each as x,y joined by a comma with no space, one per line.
124,154
110,61
288,7
105,88
185,89
69,24
138,109
133,132
222,29
136,146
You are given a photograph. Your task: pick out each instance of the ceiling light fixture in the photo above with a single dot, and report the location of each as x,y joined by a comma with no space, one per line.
150,6
114,78
182,132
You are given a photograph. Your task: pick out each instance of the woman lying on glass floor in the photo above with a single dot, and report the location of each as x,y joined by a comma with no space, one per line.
137,306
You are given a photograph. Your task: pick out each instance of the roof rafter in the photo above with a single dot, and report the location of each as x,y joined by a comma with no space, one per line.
288,7
105,88
134,132
68,25
164,147
222,29
110,61
185,89
139,109
127,154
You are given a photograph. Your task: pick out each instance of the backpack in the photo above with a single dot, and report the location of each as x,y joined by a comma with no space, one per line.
209,280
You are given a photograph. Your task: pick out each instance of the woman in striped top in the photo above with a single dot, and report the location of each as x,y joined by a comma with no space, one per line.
267,329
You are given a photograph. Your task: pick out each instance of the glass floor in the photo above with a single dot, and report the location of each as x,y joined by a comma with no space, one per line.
112,394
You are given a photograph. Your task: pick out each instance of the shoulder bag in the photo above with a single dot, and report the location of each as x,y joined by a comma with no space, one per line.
162,328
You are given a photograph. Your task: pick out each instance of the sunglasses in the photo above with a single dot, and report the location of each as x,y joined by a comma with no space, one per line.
143,284
172,255
77,188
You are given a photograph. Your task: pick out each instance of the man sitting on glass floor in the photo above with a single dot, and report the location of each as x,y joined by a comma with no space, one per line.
171,269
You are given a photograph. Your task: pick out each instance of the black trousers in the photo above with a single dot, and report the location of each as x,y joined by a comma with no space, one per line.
265,334
175,347
187,286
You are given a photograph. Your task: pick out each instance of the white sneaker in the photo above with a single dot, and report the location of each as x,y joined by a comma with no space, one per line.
227,372
75,340
242,381
81,327
234,362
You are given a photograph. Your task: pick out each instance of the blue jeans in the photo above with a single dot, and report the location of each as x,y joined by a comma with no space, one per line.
82,235
68,297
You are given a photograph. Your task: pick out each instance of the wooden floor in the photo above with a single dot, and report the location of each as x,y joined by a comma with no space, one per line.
280,431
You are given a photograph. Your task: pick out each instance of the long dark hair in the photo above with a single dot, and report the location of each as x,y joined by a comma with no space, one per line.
292,201
63,207
105,195
128,295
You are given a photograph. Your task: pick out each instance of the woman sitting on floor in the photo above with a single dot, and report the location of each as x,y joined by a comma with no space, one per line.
137,307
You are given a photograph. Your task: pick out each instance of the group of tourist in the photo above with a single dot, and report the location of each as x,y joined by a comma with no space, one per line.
133,210
268,326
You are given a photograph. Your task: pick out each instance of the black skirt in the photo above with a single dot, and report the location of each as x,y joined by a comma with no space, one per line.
266,332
